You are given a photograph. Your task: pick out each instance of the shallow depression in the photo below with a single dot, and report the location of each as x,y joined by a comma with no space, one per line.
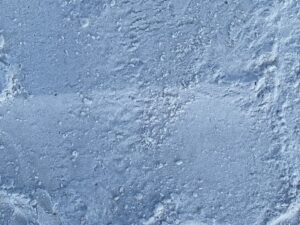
221,152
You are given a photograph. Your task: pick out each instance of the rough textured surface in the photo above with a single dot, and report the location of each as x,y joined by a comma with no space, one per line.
149,112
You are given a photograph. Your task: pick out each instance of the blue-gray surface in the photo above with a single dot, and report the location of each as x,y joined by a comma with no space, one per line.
149,112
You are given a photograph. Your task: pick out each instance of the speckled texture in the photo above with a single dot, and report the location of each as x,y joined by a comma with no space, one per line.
149,112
